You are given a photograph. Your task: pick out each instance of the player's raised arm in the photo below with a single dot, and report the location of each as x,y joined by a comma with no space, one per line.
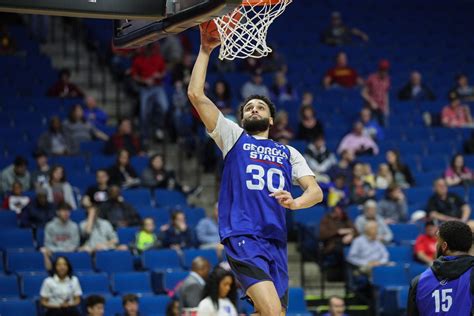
207,110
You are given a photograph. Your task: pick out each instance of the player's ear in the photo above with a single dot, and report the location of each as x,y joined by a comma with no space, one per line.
271,121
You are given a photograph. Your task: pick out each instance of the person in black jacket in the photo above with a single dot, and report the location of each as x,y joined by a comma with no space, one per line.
118,212
400,172
416,90
447,287
122,173
38,212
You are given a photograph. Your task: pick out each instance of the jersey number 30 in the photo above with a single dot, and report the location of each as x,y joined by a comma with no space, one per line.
444,302
259,177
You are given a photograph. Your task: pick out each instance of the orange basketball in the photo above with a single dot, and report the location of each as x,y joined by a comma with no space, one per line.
210,29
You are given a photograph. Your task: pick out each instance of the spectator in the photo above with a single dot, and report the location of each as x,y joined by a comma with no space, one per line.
61,292
375,91
220,295
367,251
16,172
447,206
64,88
177,235
457,173
338,34
55,141
207,233
309,126
337,307
275,61
172,309
97,194
59,190
172,50
61,234
255,86
358,143
221,95
455,114
252,65
130,305
307,99
118,212
16,201
78,129
319,158
148,71
338,192
425,244
336,231
95,305
371,127
40,176
463,89
393,208
7,42
182,70
146,238
281,90
344,166
341,75
93,114
400,172
39,212
416,90
280,131
384,234
124,138
192,289
98,234
122,172
367,175
384,177
361,189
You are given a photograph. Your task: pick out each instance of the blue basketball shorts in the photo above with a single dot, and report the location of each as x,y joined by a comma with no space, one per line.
254,259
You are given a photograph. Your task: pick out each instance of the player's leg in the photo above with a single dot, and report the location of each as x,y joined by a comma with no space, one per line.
265,299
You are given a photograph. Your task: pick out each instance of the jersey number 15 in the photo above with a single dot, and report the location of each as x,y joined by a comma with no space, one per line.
444,301
259,178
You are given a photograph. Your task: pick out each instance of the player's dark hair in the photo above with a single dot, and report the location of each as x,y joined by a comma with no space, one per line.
212,286
94,300
263,98
457,235
129,298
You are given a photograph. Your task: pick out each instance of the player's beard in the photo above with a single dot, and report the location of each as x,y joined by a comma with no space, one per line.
254,126
439,251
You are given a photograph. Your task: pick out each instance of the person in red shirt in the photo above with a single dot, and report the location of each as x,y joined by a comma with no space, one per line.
375,92
455,114
64,88
341,75
124,138
148,70
425,244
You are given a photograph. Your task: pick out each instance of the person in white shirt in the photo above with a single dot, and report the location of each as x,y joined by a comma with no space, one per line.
61,293
220,295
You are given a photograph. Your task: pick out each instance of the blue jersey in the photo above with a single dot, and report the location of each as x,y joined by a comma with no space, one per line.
253,169
444,297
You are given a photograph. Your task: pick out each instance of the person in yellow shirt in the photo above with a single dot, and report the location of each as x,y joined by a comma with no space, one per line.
146,237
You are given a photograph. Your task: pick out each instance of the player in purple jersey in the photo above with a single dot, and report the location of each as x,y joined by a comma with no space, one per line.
447,288
255,190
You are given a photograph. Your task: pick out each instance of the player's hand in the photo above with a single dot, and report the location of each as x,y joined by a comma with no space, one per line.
208,42
285,199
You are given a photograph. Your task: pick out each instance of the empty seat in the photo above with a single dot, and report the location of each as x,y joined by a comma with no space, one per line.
126,235
78,216
190,254
166,259
81,261
17,307
113,306
114,261
169,198
400,254
389,276
403,233
418,195
173,278
20,262
132,282
416,269
16,238
137,197
297,304
8,219
309,215
161,216
97,283
153,305
9,287
194,215
31,284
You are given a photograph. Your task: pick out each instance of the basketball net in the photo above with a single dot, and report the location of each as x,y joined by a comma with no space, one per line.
243,32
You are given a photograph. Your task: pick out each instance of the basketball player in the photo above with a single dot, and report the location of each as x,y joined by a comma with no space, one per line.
254,193
447,287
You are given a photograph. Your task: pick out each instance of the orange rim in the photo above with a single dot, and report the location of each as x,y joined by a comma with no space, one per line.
260,2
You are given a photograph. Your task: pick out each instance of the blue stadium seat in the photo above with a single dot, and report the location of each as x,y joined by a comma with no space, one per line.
139,163
132,282
161,216
70,163
154,305
20,262
173,278
389,276
16,239
8,219
9,287
92,148
416,269
126,235
114,261
309,216
137,197
101,162
31,284
400,254
78,216
169,198
402,298
404,233
17,307
113,306
190,254
194,215
81,261
418,195
297,303
164,259
97,283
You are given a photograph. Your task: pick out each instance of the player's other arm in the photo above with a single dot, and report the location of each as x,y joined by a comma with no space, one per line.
207,110
312,195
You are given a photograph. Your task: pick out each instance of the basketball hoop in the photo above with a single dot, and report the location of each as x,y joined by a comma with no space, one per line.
243,32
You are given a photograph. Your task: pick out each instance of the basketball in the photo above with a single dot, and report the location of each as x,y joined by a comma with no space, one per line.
210,29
